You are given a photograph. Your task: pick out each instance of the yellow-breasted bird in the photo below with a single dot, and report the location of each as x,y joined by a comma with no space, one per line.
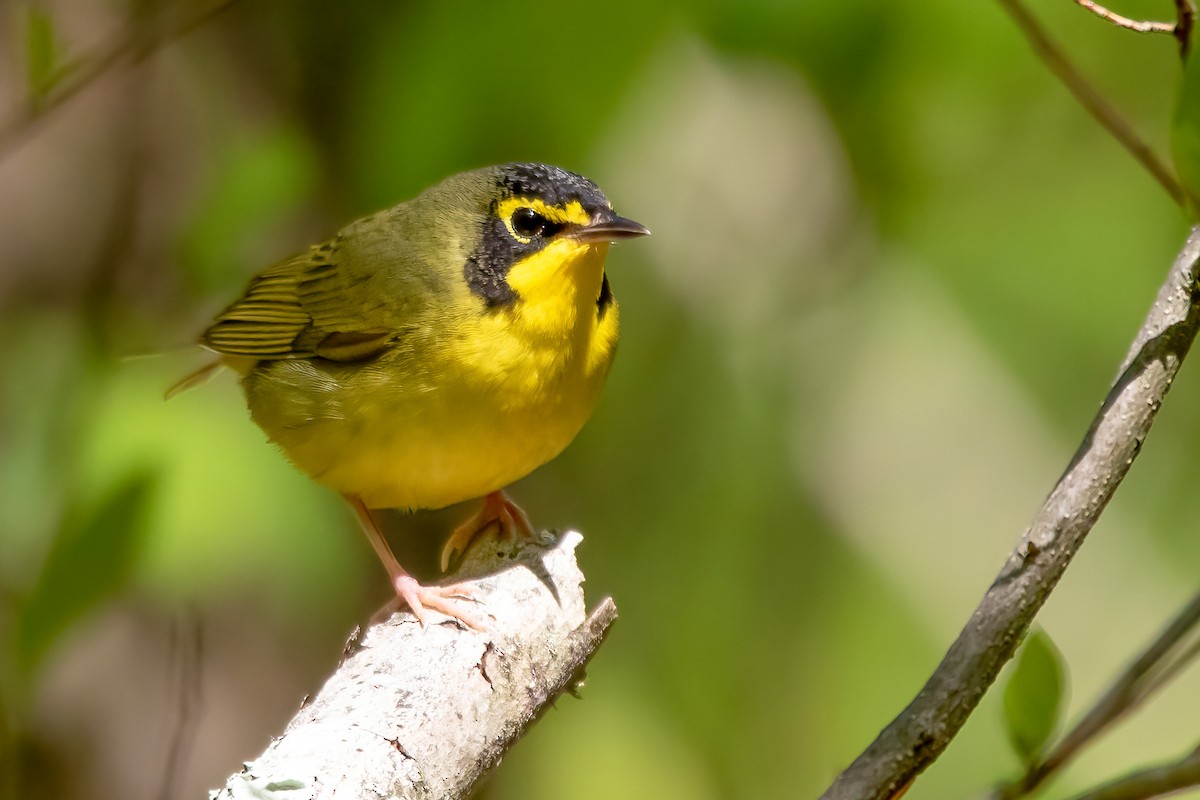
437,351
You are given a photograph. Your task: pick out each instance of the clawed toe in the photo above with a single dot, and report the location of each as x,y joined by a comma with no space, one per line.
497,509
444,599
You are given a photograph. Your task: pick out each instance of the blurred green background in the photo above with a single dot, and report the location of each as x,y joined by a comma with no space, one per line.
894,269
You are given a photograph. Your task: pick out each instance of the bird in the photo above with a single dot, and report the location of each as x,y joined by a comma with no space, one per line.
434,352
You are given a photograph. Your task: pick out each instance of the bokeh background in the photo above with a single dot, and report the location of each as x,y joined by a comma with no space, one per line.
894,269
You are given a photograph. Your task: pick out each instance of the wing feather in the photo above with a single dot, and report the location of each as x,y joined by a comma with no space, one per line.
299,309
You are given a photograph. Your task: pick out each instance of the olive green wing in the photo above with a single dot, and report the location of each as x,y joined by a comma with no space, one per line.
305,307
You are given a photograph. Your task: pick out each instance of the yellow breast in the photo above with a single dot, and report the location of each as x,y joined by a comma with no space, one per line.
469,402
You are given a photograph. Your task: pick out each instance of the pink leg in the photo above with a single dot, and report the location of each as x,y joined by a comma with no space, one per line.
497,508
417,596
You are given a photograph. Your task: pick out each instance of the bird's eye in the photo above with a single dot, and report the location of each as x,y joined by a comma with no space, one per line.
528,223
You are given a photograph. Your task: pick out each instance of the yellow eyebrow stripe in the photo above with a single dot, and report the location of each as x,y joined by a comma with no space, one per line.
570,213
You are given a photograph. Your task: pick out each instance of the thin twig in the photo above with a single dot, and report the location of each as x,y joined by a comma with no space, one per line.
1181,28
1153,782
1091,99
1141,26
131,48
1150,671
187,661
923,730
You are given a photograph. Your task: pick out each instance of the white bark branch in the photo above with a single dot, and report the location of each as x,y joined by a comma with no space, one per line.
426,713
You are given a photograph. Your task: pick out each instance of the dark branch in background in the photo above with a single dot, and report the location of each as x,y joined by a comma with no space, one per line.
187,656
1159,662
1091,100
133,47
1153,782
1185,15
923,730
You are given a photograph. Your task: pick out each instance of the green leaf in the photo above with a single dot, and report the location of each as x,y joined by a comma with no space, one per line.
89,561
1034,696
42,63
1185,132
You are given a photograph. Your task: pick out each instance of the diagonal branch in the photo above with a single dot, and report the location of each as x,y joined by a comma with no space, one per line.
923,730
1170,651
418,713
1092,101
1153,782
135,46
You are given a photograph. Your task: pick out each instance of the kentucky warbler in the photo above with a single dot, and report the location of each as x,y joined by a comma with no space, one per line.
436,351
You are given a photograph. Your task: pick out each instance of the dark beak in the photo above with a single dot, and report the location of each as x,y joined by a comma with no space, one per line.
608,227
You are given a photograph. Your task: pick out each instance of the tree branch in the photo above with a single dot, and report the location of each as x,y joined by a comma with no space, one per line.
132,47
416,712
1153,782
923,730
1185,20
1139,25
1092,101
1181,28
1158,663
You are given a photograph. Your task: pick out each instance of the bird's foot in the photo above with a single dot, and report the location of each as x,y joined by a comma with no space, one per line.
409,591
497,509
445,599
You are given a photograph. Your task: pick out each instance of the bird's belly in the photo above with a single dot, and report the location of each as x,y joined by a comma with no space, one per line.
396,447
398,464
